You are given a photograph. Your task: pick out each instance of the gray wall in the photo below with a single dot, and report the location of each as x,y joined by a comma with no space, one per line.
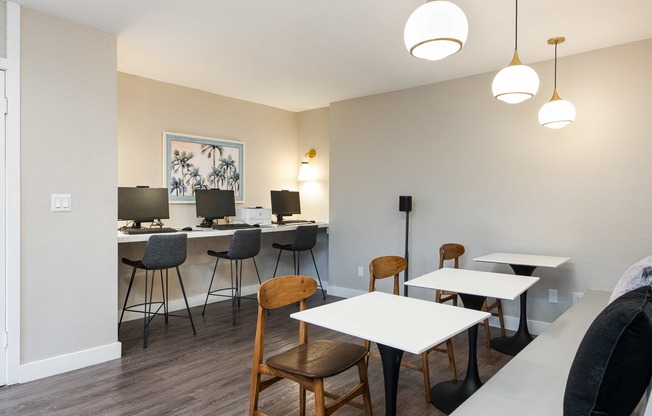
485,174
68,123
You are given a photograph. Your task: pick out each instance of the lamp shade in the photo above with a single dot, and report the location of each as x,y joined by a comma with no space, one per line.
436,30
304,172
515,83
557,113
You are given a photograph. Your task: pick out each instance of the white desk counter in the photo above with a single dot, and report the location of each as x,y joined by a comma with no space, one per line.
208,232
198,268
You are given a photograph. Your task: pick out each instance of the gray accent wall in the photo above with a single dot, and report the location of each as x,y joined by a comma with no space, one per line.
68,123
484,174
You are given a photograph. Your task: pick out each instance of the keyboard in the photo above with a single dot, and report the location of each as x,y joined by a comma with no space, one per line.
153,230
226,227
296,222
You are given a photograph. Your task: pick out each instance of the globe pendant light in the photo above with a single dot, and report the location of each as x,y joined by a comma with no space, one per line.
516,82
436,30
556,113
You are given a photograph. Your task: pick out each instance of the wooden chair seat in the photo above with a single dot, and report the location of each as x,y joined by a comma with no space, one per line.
318,359
308,363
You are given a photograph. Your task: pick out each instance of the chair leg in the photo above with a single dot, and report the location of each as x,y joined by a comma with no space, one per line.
323,293
296,258
238,279
257,274
501,319
487,335
425,368
124,306
147,308
451,359
254,392
210,286
234,293
366,395
277,260
302,401
320,403
185,299
163,294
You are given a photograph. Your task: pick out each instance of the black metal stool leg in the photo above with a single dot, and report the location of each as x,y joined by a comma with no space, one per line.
277,260
183,291
164,294
234,293
257,274
323,293
210,286
131,282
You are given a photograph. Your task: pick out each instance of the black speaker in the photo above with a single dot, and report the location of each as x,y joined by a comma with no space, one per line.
405,203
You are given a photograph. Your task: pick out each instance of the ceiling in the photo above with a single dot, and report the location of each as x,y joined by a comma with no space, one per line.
304,54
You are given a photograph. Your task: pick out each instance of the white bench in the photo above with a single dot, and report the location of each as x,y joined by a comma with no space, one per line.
534,381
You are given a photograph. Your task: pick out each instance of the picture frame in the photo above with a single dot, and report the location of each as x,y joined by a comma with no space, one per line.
195,162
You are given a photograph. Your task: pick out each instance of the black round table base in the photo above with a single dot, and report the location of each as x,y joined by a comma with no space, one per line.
512,345
447,396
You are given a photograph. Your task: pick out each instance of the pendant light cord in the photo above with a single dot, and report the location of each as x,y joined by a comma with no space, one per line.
516,28
556,42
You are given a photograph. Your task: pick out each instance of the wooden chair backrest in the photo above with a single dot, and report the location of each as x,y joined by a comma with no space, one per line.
386,266
450,251
285,290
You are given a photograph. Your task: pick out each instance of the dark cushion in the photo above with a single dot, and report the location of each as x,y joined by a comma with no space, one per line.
613,364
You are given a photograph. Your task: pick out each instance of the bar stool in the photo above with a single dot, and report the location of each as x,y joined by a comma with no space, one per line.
305,238
245,244
162,252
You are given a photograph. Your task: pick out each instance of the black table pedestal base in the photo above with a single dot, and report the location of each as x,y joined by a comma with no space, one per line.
447,396
514,344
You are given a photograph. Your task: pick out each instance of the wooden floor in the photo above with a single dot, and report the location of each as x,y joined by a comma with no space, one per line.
209,374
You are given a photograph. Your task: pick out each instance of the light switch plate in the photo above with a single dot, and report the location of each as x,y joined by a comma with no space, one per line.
61,203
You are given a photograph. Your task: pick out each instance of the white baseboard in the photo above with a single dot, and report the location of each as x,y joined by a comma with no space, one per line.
69,362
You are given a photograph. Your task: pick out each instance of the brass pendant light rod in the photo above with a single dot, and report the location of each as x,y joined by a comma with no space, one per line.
516,28
556,41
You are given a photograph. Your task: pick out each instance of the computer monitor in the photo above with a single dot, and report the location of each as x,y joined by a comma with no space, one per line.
213,204
142,204
285,203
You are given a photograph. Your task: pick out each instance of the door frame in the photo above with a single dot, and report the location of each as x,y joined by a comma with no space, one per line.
12,194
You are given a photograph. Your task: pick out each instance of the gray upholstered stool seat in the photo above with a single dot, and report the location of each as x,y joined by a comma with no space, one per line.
162,252
305,238
245,244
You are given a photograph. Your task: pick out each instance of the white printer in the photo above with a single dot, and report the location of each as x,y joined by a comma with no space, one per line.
254,215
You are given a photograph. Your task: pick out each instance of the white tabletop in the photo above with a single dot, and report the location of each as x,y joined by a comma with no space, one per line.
523,259
209,232
473,282
408,324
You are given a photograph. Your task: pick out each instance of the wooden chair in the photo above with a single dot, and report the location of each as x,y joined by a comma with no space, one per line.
453,251
308,363
388,266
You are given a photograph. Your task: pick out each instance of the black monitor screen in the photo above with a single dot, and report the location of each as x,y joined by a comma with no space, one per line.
285,203
214,203
143,204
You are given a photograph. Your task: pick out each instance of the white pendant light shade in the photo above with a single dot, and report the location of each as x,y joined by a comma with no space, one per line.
436,30
557,113
515,83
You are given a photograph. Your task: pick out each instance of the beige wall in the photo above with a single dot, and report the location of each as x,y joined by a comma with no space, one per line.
68,145
485,174
314,134
146,108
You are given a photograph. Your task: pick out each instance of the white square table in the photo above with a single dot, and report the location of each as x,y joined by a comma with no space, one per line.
473,287
396,324
524,265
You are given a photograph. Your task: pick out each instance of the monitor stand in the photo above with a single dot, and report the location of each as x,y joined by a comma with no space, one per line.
206,223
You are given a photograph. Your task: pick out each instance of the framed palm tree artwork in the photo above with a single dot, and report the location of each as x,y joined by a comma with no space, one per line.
195,162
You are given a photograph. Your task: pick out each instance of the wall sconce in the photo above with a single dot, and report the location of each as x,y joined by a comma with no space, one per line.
305,173
557,112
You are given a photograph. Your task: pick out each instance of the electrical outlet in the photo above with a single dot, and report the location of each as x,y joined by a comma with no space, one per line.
577,296
552,295
360,271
